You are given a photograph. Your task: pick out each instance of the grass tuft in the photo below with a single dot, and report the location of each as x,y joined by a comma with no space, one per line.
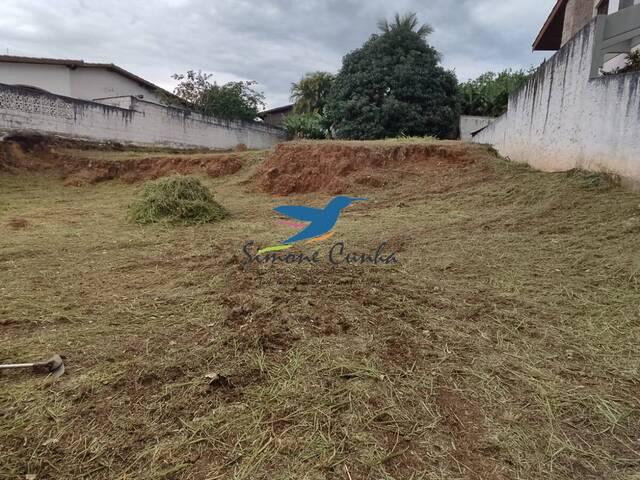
594,180
178,199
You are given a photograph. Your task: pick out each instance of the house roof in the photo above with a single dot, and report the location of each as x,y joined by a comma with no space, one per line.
550,37
284,108
81,63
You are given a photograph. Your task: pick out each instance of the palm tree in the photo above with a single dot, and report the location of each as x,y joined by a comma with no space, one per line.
408,21
310,93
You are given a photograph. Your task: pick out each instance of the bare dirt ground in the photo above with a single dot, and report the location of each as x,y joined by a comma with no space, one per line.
503,345
77,165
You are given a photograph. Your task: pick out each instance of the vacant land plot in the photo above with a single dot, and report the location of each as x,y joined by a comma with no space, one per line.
502,345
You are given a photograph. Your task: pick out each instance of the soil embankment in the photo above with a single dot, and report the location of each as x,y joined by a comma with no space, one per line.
80,165
339,167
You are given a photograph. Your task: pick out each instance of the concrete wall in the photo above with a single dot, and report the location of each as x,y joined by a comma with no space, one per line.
470,124
86,83
144,123
562,120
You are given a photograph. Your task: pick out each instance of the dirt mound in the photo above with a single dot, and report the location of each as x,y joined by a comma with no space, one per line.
176,199
338,167
83,171
38,154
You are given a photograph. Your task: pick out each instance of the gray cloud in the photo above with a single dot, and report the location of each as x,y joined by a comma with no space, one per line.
272,41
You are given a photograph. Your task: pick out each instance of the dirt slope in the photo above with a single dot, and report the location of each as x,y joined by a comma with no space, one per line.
502,345
339,167
81,167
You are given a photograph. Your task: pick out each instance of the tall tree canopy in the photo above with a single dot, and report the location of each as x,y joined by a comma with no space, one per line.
394,85
231,101
310,93
488,95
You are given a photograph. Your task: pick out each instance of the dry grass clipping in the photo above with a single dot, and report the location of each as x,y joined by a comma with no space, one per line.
178,199
504,345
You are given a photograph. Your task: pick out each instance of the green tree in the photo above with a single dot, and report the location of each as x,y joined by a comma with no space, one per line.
407,22
231,101
394,85
305,125
310,93
488,95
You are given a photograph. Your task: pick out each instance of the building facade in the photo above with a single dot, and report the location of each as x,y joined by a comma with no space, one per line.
568,17
76,78
275,116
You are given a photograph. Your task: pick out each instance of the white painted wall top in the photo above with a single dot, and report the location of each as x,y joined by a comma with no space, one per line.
75,78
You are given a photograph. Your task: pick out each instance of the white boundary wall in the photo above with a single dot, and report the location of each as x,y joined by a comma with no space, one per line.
472,123
25,111
562,120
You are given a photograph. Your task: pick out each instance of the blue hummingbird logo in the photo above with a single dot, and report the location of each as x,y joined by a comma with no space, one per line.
322,221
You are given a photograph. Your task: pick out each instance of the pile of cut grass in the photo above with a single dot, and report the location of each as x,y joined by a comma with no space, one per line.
176,200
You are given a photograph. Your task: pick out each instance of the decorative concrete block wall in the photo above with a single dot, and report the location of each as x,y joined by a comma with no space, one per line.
28,111
561,119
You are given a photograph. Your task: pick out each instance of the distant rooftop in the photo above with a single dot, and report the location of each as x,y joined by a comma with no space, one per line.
82,64
284,108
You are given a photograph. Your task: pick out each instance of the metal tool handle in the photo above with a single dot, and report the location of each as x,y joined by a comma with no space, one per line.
19,365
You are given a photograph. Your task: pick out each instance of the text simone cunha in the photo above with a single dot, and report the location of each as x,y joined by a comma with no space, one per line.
337,255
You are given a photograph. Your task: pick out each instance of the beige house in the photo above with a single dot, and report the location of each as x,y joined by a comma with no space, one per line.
76,78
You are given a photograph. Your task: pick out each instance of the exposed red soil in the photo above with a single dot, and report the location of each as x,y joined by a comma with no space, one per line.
18,222
464,421
37,155
241,147
83,171
303,167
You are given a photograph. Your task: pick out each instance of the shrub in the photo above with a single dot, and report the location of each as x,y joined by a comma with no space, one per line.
394,84
178,199
305,125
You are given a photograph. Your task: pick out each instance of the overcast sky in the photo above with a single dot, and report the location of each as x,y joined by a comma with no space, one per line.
272,41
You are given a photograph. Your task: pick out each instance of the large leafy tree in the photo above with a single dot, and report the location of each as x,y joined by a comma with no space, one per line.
393,85
310,93
231,101
488,95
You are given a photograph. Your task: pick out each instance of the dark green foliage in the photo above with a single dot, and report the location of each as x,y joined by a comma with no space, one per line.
305,125
178,199
310,93
393,85
632,62
488,95
407,22
231,101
